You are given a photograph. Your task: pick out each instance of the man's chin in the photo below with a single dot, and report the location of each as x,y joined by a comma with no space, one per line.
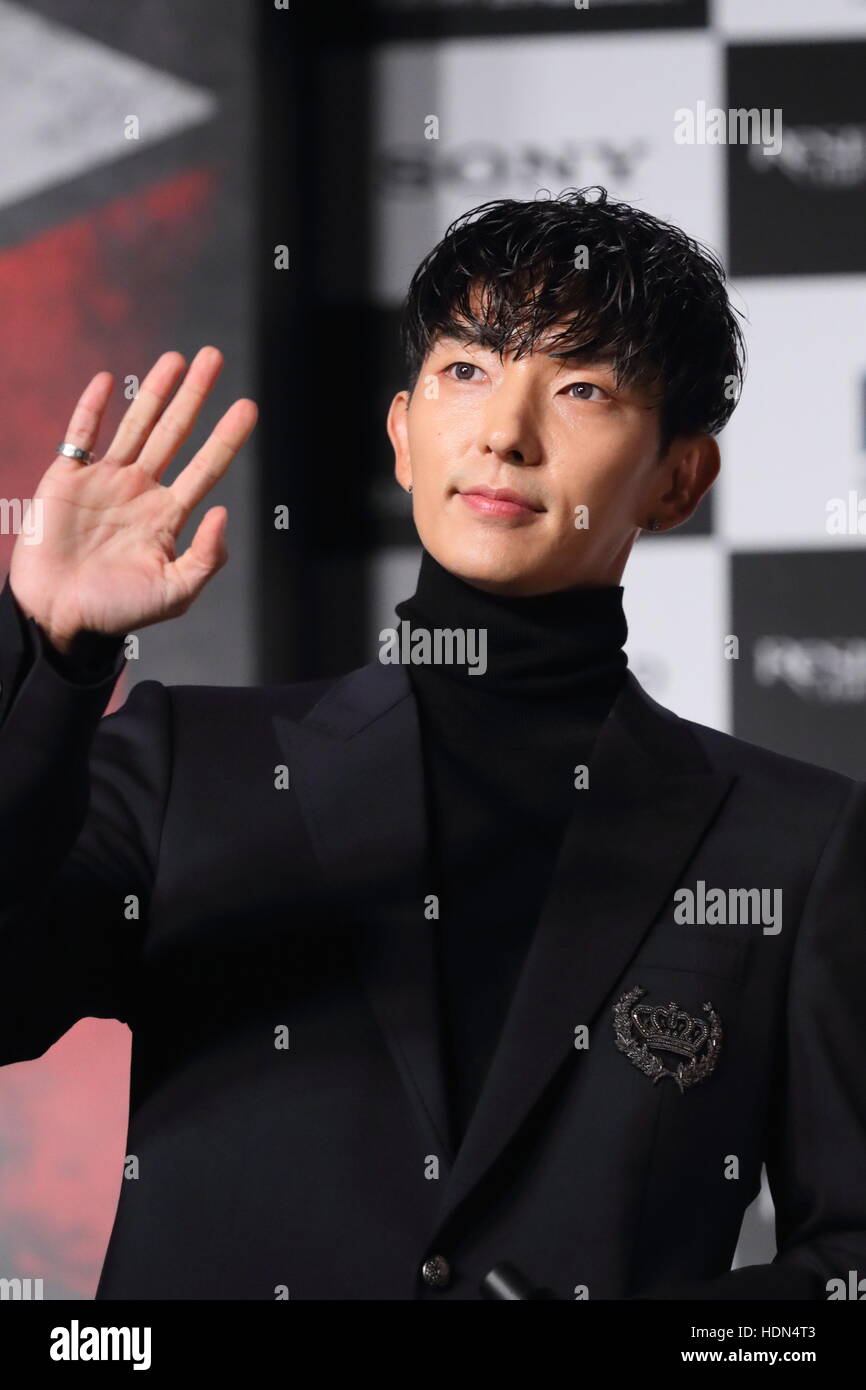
505,574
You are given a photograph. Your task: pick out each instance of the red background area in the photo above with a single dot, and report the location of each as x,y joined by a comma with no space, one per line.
97,293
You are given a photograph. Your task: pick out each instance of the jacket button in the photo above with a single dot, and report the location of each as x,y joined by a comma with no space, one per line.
436,1272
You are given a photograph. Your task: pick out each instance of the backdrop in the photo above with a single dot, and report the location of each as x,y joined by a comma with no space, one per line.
289,173
126,216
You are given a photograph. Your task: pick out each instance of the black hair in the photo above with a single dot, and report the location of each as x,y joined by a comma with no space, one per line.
651,298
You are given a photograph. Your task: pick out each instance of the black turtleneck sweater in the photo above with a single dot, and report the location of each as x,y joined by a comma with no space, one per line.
500,751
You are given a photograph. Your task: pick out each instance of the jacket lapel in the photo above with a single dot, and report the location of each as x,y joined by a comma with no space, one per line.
355,763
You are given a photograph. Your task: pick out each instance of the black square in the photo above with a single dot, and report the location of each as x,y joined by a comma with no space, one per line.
802,211
800,680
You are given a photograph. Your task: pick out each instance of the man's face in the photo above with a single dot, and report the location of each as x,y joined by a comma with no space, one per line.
562,439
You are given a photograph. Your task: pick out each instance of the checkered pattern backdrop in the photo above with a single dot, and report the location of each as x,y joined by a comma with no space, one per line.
540,97
116,246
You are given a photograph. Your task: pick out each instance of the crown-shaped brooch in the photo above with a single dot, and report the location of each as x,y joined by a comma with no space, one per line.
667,1028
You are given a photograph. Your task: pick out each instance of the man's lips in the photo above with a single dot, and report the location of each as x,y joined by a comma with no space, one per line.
499,501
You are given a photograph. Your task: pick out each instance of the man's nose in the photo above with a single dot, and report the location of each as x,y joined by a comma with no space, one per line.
509,425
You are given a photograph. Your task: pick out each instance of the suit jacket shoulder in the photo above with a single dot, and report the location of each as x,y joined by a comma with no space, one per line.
778,772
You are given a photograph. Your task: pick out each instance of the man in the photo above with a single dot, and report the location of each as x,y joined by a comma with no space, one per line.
476,956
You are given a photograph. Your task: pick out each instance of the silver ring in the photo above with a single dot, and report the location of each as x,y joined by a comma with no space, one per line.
72,451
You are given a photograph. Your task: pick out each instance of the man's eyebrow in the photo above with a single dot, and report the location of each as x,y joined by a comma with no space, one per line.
585,357
581,357
467,339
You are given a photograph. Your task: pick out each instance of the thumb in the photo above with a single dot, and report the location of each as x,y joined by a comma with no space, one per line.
206,553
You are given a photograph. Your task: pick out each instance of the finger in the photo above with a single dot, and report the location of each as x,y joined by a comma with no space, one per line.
213,458
205,554
86,418
139,419
176,423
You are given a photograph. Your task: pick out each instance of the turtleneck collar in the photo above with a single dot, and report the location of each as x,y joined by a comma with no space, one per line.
544,645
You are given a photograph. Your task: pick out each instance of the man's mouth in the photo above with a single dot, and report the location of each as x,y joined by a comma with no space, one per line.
499,501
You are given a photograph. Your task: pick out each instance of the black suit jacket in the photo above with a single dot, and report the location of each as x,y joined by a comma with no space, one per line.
270,950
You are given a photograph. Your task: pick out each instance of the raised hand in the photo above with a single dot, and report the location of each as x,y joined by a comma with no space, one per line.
107,558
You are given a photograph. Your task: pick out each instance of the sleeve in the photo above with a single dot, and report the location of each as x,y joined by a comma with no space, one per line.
93,657
82,800
816,1159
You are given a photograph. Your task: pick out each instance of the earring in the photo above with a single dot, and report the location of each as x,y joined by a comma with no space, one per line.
409,488
653,526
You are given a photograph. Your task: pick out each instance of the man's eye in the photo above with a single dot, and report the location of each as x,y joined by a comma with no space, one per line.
470,365
586,386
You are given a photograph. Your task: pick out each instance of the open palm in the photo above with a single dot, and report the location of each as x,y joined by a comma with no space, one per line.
107,558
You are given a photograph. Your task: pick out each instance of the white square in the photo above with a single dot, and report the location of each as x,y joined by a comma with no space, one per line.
520,115
778,20
676,601
795,440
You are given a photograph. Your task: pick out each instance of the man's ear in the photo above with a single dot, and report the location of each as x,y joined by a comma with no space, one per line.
398,433
692,465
